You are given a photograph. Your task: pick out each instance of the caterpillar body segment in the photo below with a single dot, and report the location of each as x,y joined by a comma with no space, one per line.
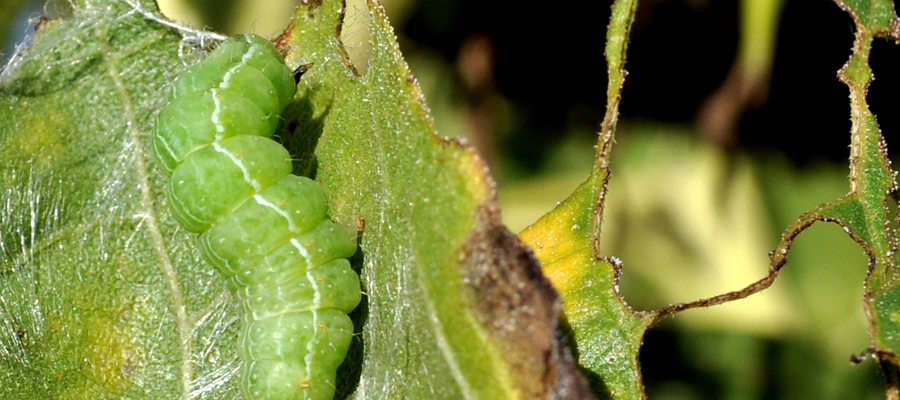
264,229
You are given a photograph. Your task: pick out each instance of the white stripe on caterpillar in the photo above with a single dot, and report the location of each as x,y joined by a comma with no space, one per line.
264,229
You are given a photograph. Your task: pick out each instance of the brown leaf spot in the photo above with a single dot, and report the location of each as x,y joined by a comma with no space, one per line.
519,309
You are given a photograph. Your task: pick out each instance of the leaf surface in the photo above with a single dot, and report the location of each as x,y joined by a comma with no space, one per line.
607,334
447,285
103,295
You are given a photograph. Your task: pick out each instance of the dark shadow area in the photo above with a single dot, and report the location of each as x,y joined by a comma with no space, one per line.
350,371
724,365
300,134
807,116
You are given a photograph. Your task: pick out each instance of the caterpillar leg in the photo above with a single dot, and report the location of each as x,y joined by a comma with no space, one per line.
294,355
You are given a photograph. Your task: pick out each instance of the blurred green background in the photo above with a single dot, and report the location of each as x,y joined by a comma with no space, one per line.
733,123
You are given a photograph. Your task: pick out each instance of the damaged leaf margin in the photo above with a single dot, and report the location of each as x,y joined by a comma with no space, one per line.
475,289
432,230
569,251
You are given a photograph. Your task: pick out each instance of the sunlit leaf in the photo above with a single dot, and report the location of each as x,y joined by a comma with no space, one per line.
102,295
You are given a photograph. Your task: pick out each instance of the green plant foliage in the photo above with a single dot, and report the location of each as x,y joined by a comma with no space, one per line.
105,296
607,333
864,212
420,198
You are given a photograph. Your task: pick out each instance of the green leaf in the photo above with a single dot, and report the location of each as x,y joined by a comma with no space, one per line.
864,212
875,16
97,301
433,245
103,295
606,332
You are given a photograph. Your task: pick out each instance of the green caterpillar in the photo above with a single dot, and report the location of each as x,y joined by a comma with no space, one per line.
264,229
